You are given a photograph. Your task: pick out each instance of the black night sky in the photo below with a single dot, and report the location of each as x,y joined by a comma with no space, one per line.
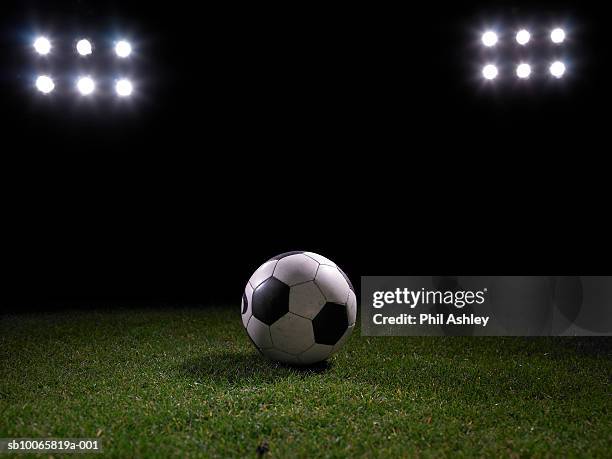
363,132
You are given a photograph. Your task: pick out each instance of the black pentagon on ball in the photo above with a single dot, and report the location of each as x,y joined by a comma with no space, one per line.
286,254
330,324
270,300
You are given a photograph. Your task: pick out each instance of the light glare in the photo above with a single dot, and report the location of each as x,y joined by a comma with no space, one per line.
557,35
45,84
523,71
522,37
124,88
123,49
84,47
490,72
557,69
86,86
489,39
42,45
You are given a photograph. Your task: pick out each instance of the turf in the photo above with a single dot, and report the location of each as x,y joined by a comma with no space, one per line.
187,382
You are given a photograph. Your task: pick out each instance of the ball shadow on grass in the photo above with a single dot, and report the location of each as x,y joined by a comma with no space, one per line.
235,367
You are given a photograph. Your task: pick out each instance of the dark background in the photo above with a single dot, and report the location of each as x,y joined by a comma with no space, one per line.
361,132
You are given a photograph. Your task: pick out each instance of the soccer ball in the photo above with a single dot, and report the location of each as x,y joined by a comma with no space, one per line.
299,308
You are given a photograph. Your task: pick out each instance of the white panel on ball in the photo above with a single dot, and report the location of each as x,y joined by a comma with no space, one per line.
263,272
292,334
248,295
317,353
333,284
259,333
306,300
296,269
320,258
351,307
343,339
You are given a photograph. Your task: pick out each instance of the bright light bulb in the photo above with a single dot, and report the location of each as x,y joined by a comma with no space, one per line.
490,72
523,71
42,45
123,49
124,88
489,39
45,84
86,86
522,37
557,35
84,47
557,69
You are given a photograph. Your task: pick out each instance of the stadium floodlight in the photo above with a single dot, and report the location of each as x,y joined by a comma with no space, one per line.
490,72
84,47
523,71
45,84
489,38
86,86
557,35
123,49
522,37
557,69
42,45
124,88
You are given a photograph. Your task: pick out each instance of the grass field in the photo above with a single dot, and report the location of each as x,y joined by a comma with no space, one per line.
187,382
